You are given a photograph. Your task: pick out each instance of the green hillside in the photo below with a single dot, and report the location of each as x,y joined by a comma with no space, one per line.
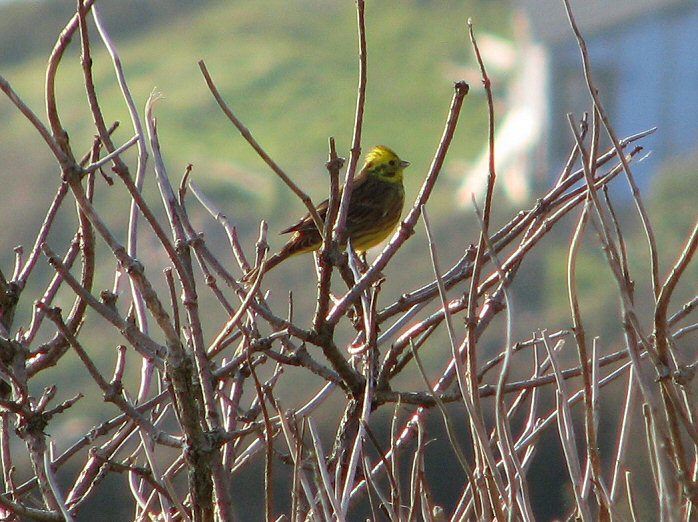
287,68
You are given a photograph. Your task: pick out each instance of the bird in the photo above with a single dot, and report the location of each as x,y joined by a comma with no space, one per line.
375,208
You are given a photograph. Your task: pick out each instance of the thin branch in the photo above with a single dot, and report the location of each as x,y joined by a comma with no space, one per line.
259,150
339,228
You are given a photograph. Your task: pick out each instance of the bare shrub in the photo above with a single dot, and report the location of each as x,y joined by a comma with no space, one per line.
207,404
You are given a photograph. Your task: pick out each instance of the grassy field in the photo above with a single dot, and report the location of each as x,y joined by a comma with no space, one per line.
289,70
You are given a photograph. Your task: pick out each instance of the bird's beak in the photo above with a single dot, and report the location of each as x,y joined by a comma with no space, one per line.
404,164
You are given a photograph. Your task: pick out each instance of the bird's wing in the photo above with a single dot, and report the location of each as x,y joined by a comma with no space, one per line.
364,212
306,222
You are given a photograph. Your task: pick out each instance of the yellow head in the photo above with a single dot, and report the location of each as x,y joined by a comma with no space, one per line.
384,164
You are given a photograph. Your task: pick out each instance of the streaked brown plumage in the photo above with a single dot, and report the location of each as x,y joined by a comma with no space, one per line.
375,208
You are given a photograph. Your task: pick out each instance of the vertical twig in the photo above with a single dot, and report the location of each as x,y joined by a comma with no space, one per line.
594,93
355,152
132,241
566,432
329,249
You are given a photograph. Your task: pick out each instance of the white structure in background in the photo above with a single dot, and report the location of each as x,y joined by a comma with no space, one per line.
519,129
644,64
644,60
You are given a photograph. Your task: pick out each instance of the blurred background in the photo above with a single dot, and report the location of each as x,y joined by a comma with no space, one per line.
289,71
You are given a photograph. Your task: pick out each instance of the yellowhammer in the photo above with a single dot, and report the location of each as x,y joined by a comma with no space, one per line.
375,207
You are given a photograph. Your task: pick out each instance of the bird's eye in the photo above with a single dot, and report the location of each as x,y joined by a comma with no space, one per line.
392,163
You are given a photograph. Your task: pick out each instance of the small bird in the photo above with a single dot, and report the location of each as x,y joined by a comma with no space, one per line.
375,207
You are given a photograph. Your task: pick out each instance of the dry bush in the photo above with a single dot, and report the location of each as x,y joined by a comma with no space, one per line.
207,404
